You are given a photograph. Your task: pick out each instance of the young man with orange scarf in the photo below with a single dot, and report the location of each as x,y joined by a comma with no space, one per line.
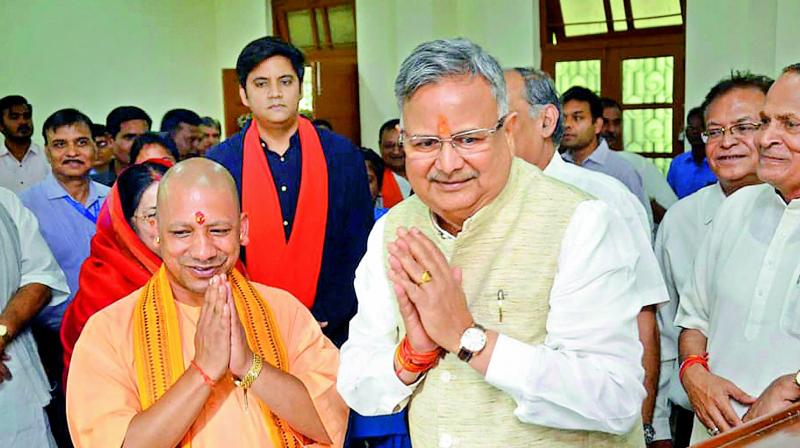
200,356
304,188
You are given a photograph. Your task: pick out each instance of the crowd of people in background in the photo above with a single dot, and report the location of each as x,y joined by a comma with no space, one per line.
499,271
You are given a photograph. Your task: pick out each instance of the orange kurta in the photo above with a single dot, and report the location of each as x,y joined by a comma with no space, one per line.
103,395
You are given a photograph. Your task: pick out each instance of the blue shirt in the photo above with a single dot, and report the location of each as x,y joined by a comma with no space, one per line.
67,230
603,160
350,217
686,177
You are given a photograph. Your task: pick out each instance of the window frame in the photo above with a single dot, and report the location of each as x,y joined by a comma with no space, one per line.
611,49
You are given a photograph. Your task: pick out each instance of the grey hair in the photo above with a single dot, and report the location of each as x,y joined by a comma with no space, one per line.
540,90
433,61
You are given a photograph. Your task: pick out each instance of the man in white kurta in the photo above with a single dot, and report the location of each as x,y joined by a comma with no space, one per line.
28,276
533,96
741,302
733,100
580,382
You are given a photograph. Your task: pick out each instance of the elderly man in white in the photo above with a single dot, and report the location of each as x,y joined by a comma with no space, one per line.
29,279
539,127
741,304
498,304
731,113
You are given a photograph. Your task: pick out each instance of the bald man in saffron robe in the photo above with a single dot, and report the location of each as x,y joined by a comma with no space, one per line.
200,356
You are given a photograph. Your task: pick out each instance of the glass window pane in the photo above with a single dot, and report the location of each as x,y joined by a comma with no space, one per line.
618,15
582,11
647,80
578,73
300,33
662,163
307,101
319,14
665,13
647,130
343,24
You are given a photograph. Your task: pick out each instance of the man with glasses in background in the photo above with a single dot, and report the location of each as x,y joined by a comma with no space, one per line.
740,338
731,111
500,289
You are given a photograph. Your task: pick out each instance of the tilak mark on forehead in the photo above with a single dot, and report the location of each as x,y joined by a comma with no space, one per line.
199,217
442,126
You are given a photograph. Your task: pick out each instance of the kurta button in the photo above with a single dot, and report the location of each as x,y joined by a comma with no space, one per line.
283,187
285,223
445,441
283,159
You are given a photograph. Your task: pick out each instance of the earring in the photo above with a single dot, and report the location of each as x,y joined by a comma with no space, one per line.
158,240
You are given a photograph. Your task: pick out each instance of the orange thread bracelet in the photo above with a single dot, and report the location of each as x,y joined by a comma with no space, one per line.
692,360
415,362
206,379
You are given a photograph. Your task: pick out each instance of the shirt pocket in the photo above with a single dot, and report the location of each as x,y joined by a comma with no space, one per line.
790,316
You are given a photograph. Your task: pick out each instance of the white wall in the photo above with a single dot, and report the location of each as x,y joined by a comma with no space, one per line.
388,30
756,35
98,54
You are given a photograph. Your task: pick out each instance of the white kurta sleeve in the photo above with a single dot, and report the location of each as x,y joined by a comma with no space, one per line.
367,380
38,264
588,374
695,296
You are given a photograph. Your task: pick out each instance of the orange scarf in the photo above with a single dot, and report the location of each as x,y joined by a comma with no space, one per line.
294,265
390,192
158,352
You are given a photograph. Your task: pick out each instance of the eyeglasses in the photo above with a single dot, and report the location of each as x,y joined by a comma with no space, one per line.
737,131
465,143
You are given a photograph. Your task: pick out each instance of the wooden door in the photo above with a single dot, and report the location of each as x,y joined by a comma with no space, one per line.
336,96
233,109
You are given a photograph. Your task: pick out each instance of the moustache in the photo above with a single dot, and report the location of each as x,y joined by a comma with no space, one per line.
24,129
73,161
463,176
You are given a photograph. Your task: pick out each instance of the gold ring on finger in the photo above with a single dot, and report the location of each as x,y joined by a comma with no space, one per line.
426,278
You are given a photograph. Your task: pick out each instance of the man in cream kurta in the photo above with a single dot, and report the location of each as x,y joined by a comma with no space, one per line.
733,100
29,275
740,305
547,270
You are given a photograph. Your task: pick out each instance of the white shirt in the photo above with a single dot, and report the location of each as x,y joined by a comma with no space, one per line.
24,259
20,175
650,284
744,293
654,183
680,234
405,186
592,343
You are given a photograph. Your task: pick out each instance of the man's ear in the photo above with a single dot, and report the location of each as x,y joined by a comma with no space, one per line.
598,125
244,230
243,96
550,119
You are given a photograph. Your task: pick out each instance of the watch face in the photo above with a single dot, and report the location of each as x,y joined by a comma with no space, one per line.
474,339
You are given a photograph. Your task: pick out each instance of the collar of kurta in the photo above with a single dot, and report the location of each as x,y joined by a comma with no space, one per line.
487,213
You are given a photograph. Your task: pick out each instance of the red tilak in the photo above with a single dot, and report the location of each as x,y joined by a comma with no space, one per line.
199,217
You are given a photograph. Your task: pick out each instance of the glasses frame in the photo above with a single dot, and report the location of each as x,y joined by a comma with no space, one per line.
706,138
441,141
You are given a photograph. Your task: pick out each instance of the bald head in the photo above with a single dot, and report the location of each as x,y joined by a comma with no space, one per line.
193,174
